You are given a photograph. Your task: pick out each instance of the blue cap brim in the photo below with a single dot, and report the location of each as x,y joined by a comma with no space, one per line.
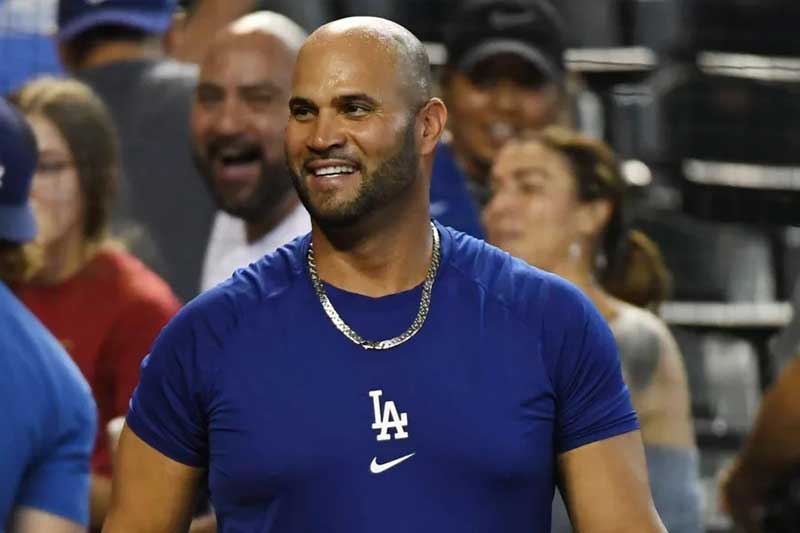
148,22
17,223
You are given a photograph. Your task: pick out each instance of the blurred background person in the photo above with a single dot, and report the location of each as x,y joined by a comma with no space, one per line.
48,418
117,48
240,111
558,203
504,74
103,304
197,19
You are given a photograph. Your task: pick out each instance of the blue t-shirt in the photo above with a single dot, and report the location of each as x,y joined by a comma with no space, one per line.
457,429
47,420
451,202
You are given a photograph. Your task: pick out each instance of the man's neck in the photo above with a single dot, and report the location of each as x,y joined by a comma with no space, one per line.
255,230
123,51
385,253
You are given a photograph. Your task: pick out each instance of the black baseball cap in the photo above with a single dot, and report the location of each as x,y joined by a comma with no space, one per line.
530,29
18,156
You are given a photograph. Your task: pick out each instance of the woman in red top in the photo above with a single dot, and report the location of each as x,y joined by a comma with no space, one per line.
104,305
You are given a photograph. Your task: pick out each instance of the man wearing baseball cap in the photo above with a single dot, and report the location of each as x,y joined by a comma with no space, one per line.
505,74
48,418
117,48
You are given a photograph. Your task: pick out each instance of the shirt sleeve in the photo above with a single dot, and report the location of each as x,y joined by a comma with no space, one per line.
593,402
57,482
168,407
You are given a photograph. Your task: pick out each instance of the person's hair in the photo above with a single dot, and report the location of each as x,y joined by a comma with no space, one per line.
81,46
86,125
628,264
19,261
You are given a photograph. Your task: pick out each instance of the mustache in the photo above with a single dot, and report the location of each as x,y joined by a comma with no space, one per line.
222,142
333,153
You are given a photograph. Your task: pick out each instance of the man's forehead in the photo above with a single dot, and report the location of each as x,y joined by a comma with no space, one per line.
249,46
247,60
337,72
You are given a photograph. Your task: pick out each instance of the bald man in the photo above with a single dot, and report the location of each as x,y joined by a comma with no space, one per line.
239,116
383,373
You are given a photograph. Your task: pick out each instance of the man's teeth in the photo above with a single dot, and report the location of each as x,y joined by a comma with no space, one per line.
502,131
328,171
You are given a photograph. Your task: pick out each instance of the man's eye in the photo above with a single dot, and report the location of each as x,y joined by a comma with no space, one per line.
357,110
260,98
300,113
529,187
207,97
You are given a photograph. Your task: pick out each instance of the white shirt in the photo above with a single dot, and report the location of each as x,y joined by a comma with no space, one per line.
229,250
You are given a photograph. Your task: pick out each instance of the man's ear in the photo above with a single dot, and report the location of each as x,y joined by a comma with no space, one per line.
431,122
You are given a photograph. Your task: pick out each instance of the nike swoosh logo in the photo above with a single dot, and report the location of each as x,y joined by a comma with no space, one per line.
377,468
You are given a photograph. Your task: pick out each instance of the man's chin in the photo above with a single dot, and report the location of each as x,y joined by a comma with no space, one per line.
245,212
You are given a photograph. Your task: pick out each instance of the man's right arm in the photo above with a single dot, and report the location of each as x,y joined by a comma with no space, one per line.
151,493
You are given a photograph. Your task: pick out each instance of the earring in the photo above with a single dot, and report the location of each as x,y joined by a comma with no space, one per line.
575,251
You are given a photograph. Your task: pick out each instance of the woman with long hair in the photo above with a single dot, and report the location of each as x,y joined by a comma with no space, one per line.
558,202
101,303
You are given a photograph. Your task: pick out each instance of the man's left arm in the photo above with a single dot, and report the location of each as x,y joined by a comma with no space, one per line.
606,489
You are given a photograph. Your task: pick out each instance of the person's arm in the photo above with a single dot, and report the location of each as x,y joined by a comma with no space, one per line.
771,451
28,520
151,493
605,487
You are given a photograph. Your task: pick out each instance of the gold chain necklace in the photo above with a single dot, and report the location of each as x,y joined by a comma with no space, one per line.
416,325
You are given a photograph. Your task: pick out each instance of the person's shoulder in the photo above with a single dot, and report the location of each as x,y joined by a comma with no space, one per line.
634,319
172,72
131,280
510,280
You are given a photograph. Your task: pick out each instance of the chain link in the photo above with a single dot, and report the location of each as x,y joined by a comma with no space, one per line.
416,325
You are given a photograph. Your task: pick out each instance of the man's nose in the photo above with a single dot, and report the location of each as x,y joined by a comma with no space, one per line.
327,133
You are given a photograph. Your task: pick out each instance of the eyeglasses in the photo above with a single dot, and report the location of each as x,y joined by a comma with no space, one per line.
53,168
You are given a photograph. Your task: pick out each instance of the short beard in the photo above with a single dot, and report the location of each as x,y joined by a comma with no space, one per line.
394,176
273,185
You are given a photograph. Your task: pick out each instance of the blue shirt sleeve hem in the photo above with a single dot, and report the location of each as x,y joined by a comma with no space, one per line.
152,439
626,425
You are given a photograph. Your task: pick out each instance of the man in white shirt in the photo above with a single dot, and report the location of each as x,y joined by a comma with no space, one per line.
239,114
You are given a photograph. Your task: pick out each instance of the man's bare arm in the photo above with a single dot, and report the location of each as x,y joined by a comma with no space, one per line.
151,493
606,488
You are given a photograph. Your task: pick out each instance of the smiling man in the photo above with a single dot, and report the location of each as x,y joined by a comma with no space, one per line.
383,373
238,119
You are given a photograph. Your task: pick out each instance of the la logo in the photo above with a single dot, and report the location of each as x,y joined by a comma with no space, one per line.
388,419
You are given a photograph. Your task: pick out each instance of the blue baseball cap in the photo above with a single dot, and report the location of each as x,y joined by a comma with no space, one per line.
18,155
77,16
